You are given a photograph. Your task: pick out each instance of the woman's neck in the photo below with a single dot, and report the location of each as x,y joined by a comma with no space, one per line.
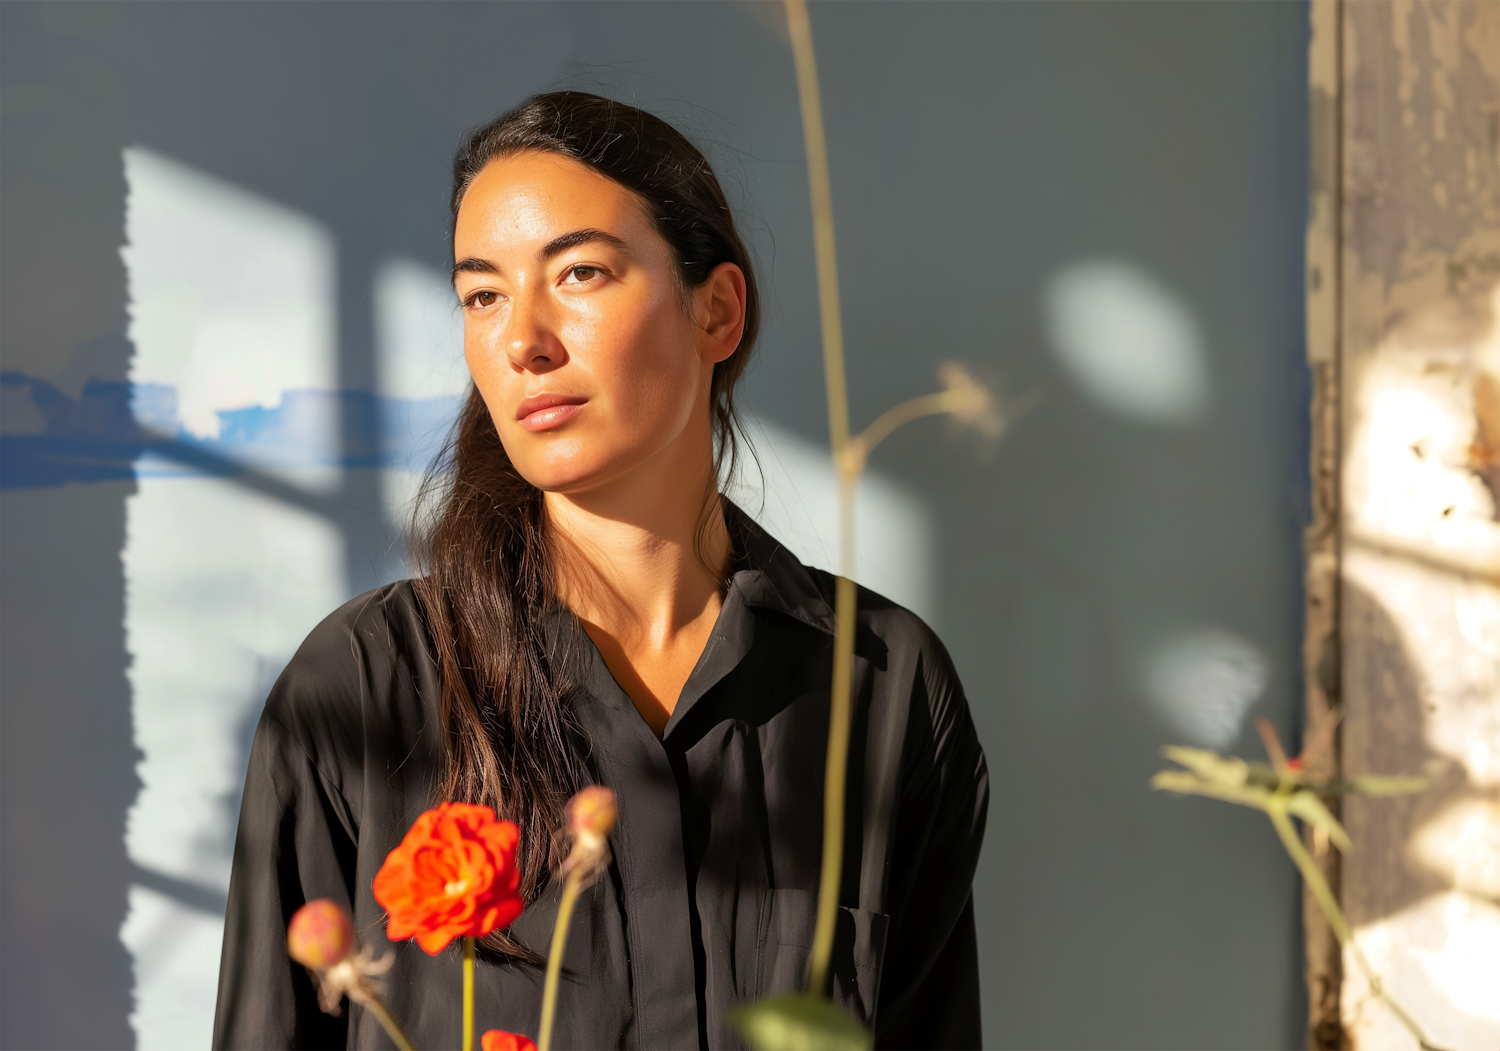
642,566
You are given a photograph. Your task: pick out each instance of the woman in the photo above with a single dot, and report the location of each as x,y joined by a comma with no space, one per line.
592,610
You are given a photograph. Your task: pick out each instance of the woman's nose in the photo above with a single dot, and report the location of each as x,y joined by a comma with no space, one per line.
531,339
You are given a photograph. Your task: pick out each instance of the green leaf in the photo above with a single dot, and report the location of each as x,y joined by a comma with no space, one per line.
1387,786
1211,766
1189,784
1310,808
799,1022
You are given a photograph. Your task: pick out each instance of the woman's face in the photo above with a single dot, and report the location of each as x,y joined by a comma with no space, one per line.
575,327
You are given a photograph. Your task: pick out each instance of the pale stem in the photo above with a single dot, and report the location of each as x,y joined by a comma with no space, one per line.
837,766
468,994
1330,906
821,194
927,405
822,209
555,955
393,1029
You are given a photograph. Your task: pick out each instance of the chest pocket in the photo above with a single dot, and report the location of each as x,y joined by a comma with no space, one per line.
858,951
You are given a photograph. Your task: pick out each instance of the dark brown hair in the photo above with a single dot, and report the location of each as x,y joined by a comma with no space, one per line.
487,587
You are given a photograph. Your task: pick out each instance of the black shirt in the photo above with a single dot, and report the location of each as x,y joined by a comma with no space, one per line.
711,897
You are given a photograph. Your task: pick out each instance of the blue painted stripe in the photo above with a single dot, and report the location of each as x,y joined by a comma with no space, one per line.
117,431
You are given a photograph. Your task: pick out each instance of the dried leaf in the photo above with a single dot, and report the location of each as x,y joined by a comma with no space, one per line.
1272,741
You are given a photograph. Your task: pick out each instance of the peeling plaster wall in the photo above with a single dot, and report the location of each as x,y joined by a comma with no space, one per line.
1419,320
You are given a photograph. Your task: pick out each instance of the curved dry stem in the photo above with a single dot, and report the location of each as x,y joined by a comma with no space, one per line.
555,954
822,213
838,428
861,446
393,1030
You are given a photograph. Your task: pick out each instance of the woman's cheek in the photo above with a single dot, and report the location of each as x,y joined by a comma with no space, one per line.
484,354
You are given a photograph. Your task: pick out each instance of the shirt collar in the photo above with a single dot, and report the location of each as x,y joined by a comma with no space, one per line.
763,575
768,576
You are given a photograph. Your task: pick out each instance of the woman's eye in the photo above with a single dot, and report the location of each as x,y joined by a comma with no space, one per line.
483,299
583,273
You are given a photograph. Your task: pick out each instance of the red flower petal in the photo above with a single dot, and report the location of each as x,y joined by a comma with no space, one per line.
454,874
500,1040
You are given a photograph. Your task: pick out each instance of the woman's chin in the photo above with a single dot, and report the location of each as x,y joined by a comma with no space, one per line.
573,479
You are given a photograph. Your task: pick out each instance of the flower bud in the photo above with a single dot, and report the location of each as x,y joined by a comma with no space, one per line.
971,402
592,812
320,935
591,818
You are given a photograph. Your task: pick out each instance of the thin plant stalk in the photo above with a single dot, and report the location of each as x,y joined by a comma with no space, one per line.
392,1027
888,421
468,994
571,888
1323,894
941,403
837,766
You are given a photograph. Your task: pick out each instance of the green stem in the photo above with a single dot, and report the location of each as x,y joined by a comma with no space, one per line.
468,994
1323,894
398,1036
555,955
821,193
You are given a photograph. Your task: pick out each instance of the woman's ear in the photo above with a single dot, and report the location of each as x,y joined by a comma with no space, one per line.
720,305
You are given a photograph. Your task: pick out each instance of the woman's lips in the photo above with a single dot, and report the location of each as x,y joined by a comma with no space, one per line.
545,411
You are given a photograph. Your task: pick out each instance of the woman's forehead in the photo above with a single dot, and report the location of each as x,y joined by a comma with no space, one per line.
525,200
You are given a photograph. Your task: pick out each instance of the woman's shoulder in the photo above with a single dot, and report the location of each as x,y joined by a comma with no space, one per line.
352,657
887,620
908,648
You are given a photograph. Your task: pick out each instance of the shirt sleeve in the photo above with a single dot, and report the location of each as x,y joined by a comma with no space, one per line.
929,996
296,842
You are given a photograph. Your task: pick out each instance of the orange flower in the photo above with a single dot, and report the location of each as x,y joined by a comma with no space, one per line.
500,1040
453,876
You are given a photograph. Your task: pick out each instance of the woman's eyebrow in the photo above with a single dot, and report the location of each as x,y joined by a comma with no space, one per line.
555,247
474,265
558,245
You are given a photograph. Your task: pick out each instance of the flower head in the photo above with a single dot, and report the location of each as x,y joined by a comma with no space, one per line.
972,403
591,818
453,875
320,935
500,1040
321,938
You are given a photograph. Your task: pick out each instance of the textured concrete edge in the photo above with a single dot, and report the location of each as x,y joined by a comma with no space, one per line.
1320,647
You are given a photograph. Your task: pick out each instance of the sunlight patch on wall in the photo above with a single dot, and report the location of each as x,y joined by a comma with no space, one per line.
231,302
419,340
896,543
1203,682
1130,343
1422,884
231,297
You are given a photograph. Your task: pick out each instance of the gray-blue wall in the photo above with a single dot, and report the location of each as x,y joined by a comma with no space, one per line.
976,149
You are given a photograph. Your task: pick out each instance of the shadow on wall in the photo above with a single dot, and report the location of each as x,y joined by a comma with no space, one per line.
67,761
